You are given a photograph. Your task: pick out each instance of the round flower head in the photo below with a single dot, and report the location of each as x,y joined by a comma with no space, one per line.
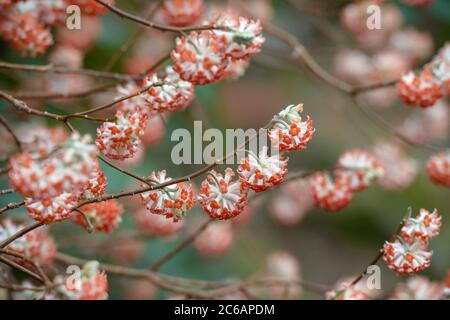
119,140
181,13
50,210
425,225
418,288
329,195
359,168
242,38
282,265
156,224
221,197
133,105
438,168
36,245
289,131
102,216
262,172
68,169
170,93
96,186
172,201
407,256
215,240
441,67
91,7
422,89
93,284
199,58
286,211
26,34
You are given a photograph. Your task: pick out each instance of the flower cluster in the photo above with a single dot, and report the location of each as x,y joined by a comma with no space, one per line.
53,185
203,57
171,201
156,224
346,291
28,23
102,216
409,252
289,132
418,288
355,170
168,93
36,245
283,266
430,84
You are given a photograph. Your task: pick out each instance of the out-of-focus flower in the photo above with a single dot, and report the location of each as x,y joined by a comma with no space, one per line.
330,195
154,131
82,38
91,7
181,13
26,34
358,169
172,201
283,266
67,56
399,169
52,12
120,139
438,168
7,4
221,197
235,69
199,58
418,288
36,245
215,240
346,291
289,132
102,216
156,224
418,3
407,256
169,93
242,38
262,172
416,44
425,225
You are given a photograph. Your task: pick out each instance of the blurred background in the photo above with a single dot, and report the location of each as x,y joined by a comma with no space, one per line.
327,246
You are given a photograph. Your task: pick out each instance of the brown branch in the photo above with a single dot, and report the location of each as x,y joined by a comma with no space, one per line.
6,191
8,128
17,266
10,206
64,70
124,171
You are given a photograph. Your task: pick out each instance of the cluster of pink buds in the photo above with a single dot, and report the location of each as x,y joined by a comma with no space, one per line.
430,84
102,216
36,245
53,185
203,57
156,224
438,168
181,13
418,288
346,291
283,266
355,170
409,252
216,239
171,201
